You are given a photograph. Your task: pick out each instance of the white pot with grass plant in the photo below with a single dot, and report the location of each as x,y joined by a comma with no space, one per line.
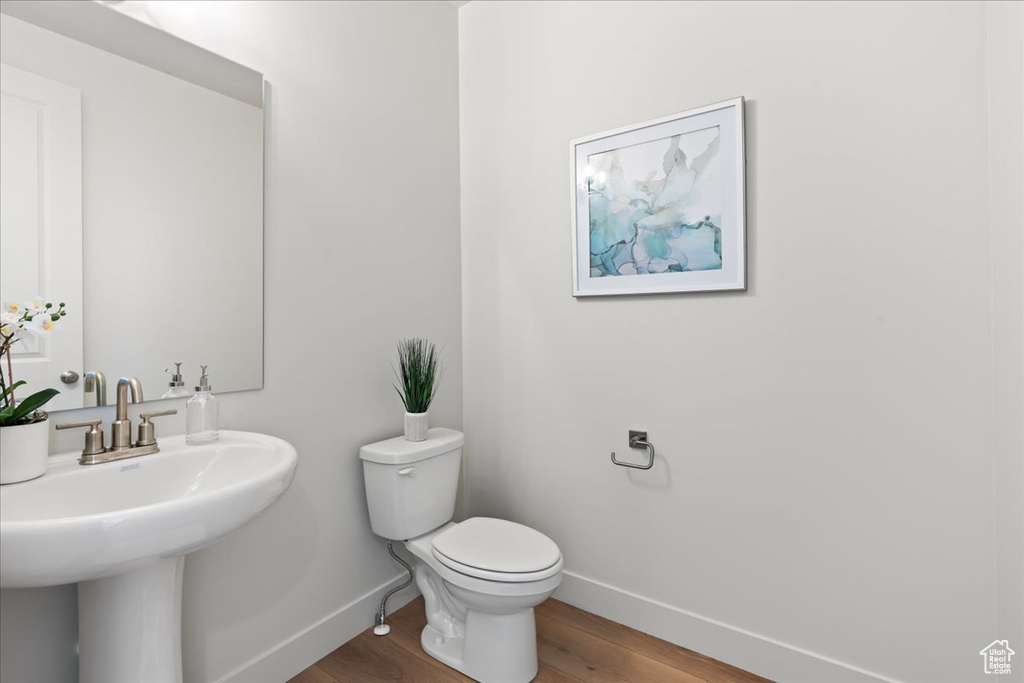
418,373
24,430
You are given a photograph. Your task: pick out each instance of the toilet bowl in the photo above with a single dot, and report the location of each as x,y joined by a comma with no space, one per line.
480,578
480,619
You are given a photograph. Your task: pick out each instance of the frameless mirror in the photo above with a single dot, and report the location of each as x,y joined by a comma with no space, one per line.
131,178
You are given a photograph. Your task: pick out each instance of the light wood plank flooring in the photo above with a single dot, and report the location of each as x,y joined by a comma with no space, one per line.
574,647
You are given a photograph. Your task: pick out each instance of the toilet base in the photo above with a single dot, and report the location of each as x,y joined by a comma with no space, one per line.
496,648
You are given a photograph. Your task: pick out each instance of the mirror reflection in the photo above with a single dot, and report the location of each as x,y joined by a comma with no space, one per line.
131,177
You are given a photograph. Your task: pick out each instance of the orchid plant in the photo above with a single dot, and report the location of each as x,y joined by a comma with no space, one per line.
17,322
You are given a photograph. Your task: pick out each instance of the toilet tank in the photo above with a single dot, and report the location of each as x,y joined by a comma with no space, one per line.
411,485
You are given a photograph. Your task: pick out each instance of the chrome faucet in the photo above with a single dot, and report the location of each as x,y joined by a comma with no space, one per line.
95,389
121,427
121,445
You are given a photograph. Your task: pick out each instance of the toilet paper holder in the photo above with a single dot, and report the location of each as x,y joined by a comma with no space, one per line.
637,439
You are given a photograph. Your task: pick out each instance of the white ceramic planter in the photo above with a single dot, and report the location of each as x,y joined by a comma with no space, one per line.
23,451
416,426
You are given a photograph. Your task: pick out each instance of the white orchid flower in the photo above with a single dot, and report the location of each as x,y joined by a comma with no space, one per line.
36,306
12,308
13,329
8,323
40,324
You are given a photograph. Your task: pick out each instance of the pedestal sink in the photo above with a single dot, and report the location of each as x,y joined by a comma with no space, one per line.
121,530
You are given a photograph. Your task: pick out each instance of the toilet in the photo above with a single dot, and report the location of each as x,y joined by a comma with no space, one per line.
480,578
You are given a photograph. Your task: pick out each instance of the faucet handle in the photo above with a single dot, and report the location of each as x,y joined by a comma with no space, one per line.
147,434
93,437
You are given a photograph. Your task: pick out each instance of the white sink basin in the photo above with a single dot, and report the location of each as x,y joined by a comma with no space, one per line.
78,522
122,529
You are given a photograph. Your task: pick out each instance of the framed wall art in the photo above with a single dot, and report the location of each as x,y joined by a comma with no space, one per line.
659,206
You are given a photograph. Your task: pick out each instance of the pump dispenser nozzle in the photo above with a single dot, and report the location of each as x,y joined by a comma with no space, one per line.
177,384
204,379
176,379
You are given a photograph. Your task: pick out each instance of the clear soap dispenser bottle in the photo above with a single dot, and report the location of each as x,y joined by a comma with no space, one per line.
201,413
177,384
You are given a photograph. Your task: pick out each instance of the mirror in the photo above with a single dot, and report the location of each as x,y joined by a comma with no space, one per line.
132,190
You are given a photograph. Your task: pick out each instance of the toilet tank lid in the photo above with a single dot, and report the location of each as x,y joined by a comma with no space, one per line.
398,451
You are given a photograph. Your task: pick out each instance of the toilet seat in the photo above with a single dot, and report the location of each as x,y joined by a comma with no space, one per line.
497,550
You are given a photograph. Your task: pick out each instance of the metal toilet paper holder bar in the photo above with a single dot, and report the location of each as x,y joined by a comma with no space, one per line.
637,439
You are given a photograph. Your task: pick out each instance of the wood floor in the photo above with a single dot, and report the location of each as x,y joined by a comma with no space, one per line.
574,647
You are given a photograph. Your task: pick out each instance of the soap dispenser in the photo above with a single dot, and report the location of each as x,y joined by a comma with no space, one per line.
177,384
201,413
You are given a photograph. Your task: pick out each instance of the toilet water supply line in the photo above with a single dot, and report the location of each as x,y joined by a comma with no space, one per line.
380,628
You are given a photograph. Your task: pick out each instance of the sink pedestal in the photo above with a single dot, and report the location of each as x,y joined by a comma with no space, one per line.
129,625
121,531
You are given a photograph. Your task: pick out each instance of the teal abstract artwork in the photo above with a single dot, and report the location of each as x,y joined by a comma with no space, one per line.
656,207
659,207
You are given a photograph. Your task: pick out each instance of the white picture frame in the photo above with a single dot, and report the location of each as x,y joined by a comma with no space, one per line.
659,207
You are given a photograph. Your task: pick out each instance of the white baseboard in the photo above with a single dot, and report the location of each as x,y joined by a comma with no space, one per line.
288,658
741,648
736,646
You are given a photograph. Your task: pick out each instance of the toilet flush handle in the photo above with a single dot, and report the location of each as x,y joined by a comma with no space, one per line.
407,472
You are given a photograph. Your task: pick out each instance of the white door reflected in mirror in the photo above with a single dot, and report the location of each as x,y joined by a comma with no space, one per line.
41,222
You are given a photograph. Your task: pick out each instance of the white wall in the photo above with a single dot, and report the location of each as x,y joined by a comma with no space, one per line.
1006,174
362,248
821,507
